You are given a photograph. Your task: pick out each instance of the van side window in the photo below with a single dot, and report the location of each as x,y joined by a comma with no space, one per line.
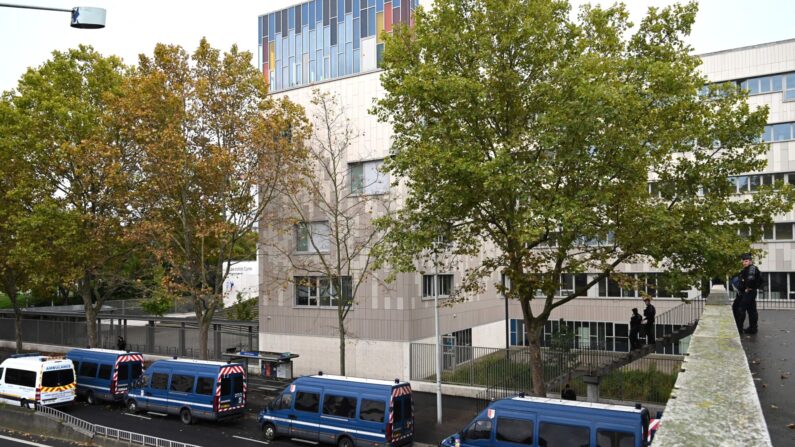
20,377
285,402
182,383
372,410
610,438
159,381
551,434
104,372
88,369
307,401
205,386
122,371
519,431
1,373
341,406
481,430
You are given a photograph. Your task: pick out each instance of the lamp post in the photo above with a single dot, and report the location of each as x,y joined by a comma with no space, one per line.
84,17
438,347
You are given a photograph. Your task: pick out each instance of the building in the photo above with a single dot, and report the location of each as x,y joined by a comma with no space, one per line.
386,320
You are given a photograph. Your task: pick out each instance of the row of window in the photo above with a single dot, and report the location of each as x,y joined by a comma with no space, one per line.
183,383
520,431
104,370
342,406
21,377
319,291
746,183
776,286
759,85
602,335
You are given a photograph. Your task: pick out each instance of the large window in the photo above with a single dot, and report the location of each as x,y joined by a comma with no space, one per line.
160,381
518,431
372,410
320,291
307,402
312,237
653,284
558,434
444,286
367,178
88,369
20,377
181,383
342,406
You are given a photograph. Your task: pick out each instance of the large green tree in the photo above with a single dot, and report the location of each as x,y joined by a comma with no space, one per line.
77,236
531,138
213,147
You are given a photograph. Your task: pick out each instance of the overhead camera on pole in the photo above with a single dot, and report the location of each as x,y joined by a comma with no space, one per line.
83,17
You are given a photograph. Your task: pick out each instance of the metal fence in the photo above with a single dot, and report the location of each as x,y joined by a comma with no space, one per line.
93,430
160,336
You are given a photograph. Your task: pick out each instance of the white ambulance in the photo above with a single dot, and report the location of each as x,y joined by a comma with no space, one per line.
29,378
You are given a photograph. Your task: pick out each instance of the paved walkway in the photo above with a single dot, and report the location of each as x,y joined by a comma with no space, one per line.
771,356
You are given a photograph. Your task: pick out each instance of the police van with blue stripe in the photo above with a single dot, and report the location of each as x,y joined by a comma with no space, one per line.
344,411
105,374
192,389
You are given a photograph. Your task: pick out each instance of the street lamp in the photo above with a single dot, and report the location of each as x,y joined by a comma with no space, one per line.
84,17
435,289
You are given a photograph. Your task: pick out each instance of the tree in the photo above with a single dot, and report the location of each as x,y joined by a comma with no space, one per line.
330,217
76,235
551,145
213,147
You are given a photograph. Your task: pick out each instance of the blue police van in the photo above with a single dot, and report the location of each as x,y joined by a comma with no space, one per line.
192,389
345,411
105,374
535,421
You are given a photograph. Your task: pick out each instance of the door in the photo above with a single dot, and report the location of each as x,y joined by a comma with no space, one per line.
232,394
156,394
478,434
402,418
305,417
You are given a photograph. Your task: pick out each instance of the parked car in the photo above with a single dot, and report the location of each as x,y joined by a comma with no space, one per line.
192,389
345,411
535,421
27,379
105,374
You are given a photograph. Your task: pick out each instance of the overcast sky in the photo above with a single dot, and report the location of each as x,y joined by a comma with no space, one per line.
28,37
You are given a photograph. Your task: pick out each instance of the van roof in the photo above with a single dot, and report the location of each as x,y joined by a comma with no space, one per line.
359,380
34,362
572,403
193,362
102,351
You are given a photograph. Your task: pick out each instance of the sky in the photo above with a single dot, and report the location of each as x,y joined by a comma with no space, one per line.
28,37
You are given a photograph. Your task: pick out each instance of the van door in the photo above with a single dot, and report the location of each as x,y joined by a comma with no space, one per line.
232,389
58,384
156,394
402,416
373,419
514,429
128,369
479,434
305,417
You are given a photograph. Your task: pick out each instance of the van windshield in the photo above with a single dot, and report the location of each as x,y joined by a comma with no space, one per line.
59,377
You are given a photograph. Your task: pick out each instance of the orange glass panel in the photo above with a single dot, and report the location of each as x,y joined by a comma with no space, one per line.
379,26
388,17
272,50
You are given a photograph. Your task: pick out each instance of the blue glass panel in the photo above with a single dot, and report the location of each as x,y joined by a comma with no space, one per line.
326,4
340,8
326,69
379,5
285,49
371,22
306,39
292,43
363,28
298,76
356,61
319,39
311,71
299,48
271,26
356,9
312,9
348,58
291,15
318,10
278,21
357,33
304,15
334,33
341,62
278,50
326,40
284,83
319,60
341,35
259,29
285,23
348,6
348,28
333,59
370,3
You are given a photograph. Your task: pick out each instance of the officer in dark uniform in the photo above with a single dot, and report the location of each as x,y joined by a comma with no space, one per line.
748,281
634,329
648,315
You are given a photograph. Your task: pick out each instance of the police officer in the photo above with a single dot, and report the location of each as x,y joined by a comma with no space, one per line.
748,281
649,313
634,329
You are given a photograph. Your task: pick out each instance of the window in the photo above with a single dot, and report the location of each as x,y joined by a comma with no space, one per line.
237,386
305,401
789,91
319,291
609,438
480,430
204,385
342,406
88,369
123,371
20,377
104,371
444,285
312,237
159,381
558,434
181,383
226,386
372,410
136,370
284,402
783,231
367,178
519,431
59,377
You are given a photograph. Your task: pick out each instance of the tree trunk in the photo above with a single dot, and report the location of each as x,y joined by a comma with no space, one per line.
204,331
342,346
10,288
536,361
91,324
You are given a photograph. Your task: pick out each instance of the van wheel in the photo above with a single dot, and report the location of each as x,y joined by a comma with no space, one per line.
24,403
90,398
345,442
269,432
185,416
132,406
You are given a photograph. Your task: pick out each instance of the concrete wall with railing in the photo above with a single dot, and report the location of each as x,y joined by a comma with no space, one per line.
714,401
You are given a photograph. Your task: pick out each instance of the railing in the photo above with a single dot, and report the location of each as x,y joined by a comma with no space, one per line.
93,430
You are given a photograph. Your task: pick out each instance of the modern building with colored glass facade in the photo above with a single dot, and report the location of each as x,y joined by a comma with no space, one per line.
334,46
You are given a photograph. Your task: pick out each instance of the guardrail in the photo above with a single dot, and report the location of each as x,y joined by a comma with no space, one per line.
92,430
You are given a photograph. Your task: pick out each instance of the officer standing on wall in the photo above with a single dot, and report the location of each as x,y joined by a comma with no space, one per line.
634,329
648,315
749,280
